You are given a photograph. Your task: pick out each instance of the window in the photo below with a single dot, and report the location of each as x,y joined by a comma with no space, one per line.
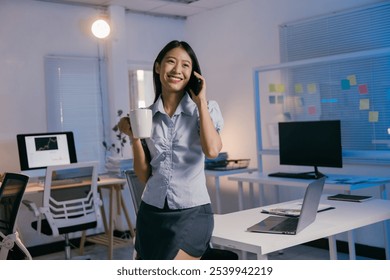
74,103
141,88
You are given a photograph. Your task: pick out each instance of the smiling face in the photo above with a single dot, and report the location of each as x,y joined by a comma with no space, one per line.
174,70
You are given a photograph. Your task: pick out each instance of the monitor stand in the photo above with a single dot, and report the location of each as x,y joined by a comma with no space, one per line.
313,175
304,175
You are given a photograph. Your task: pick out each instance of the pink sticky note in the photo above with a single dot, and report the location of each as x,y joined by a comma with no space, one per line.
311,110
363,89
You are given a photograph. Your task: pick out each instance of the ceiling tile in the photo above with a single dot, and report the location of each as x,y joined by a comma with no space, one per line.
154,6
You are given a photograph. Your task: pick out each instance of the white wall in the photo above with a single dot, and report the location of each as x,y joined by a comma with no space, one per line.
30,30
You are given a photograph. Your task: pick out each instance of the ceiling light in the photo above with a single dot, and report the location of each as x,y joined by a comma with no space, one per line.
100,29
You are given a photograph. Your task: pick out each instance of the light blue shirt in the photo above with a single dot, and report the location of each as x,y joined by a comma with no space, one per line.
177,159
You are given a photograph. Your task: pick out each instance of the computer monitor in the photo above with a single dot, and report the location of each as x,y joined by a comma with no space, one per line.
39,150
311,143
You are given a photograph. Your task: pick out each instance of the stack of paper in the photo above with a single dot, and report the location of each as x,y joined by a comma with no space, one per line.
291,209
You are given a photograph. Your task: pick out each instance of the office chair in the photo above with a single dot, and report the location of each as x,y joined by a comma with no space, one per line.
136,190
11,194
70,202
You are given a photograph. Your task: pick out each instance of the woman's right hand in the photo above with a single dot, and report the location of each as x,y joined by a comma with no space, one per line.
125,127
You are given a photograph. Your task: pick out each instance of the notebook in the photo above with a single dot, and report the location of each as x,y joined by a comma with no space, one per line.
293,225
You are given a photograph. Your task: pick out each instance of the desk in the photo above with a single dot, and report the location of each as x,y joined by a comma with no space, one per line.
216,174
114,186
331,183
230,229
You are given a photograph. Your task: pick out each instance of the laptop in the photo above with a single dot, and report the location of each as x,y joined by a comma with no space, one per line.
293,225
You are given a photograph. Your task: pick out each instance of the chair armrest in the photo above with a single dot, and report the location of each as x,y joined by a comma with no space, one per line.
32,207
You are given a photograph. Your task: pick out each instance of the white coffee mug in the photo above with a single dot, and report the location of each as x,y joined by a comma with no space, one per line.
141,122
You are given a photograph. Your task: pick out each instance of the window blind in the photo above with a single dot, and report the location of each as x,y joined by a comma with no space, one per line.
366,28
74,103
356,91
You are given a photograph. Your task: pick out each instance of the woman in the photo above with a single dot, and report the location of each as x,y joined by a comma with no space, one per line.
175,219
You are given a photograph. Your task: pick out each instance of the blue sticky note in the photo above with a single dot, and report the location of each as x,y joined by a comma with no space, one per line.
345,84
329,100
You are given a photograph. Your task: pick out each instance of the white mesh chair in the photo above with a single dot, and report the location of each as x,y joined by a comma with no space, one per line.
71,202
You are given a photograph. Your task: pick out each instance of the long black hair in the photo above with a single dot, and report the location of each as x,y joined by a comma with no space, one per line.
171,45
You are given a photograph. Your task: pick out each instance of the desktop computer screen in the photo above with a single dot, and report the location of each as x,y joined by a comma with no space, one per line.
39,150
310,143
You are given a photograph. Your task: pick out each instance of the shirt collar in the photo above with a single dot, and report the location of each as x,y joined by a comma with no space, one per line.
186,106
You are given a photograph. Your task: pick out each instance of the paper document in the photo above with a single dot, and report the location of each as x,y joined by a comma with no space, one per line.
291,209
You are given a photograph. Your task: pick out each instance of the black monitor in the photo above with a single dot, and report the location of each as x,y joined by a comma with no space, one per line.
311,143
39,150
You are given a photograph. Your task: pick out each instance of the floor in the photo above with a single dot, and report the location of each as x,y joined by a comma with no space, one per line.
301,252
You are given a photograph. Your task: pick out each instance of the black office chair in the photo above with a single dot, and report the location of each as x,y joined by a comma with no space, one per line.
69,204
11,194
136,190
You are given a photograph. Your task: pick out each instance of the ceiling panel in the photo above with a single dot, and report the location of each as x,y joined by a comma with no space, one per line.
162,7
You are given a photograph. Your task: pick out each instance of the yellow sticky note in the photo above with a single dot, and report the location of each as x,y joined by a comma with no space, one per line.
312,88
271,88
298,88
352,80
280,88
373,116
364,104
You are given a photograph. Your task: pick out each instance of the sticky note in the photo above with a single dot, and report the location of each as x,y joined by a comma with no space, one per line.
373,116
312,88
345,84
271,88
364,104
329,100
280,88
299,102
280,99
298,88
363,89
352,80
272,99
311,110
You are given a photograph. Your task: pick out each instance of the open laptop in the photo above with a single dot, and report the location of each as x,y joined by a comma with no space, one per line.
293,225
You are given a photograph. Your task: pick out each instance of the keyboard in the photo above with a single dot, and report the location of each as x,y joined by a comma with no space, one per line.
306,176
288,225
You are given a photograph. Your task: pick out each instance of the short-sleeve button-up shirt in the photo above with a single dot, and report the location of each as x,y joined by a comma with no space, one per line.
177,159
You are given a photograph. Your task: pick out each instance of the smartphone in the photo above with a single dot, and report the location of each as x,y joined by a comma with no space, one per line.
194,84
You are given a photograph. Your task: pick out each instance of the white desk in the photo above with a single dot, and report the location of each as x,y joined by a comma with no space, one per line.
114,186
331,183
230,229
216,174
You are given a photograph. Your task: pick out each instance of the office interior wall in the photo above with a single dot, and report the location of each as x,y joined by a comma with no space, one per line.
30,30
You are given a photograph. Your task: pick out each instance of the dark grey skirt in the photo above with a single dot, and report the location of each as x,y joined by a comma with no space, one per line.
160,233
